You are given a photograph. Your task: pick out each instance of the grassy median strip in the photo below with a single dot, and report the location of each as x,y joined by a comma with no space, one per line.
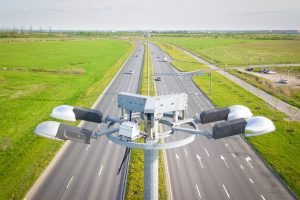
281,148
35,77
135,180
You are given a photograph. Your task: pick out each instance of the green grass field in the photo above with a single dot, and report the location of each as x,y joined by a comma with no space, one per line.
135,180
239,52
281,148
36,76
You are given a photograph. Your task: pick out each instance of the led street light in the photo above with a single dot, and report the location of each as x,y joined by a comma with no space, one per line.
258,126
227,113
71,113
59,131
251,127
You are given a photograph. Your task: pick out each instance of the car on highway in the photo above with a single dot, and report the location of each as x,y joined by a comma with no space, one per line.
165,59
249,69
130,71
158,78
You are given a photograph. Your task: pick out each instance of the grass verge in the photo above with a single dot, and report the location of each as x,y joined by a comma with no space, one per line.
180,61
32,84
135,180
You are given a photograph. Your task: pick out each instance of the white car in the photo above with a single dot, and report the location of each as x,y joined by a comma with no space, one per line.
130,71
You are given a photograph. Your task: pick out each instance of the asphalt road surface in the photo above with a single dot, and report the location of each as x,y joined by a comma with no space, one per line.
212,169
90,171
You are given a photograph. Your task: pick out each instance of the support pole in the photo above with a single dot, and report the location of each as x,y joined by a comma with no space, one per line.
150,175
150,160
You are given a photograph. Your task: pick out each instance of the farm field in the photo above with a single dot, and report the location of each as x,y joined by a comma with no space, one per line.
228,52
279,149
36,76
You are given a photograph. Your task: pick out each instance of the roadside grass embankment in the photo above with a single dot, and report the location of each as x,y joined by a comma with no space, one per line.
279,149
180,61
35,77
290,95
229,52
135,179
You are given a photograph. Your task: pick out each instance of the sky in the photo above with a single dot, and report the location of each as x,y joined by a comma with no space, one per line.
151,15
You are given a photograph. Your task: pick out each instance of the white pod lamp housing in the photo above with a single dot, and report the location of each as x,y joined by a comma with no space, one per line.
59,131
70,113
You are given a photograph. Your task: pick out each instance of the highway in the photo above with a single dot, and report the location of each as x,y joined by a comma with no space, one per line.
212,169
90,171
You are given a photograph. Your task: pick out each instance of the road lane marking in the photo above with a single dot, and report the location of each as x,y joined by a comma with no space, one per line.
224,159
262,197
198,191
177,157
250,180
88,146
233,155
185,152
199,158
248,159
226,191
100,170
241,166
70,181
206,152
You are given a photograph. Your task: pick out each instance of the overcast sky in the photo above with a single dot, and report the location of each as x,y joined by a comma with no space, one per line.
151,14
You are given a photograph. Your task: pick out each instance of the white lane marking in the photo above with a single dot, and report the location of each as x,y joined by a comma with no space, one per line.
248,159
198,191
177,157
262,197
88,146
224,159
100,170
199,158
70,181
226,144
226,191
206,152
250,180
233,155
185,152
241,166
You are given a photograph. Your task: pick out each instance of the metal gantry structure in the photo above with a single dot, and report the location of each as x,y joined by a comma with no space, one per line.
150,111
